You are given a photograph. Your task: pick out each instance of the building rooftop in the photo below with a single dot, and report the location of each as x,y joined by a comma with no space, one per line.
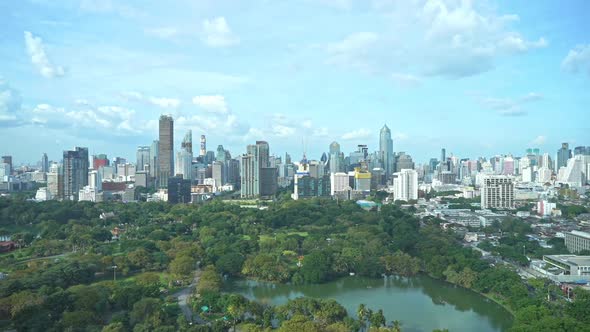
582,234
571,259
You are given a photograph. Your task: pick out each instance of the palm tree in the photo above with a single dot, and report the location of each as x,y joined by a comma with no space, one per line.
362,315
397,325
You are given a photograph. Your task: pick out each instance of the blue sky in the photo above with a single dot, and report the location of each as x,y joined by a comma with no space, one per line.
477,77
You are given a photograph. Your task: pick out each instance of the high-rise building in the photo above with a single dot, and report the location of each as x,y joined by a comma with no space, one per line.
44,163
218,169
546,161
154,148
179,190
386,151
339,182
125,172
563,155
582,150
183,165
165,150
203,149
94,180
8,160
403,161
247,181
99,160
336,162
443,155
405,185
497,192
75,168
187,142
143,159
55,181
574,173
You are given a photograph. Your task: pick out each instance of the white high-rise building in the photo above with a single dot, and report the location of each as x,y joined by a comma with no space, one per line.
125,172
544,175
405,185
497,192
94,180
528,174
574,174
546,161
54,181
338,182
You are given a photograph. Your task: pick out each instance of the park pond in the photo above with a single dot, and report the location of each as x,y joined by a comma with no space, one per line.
421,303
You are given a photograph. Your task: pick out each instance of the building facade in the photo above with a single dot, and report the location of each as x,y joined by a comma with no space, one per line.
576,241
497,192
165,150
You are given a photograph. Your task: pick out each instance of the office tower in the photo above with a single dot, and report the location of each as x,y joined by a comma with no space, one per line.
125,172
339,182
165,150
8,160
183,165
94,180
336,162
75,168
179,190
247,182
44,163
580,150
546,161
403,161
55,181
443,155
563,155
218,168
405,185
528,174
99,160
220,155
154,148
288,159
203,150
209,157
497,192
508,166
258,178
386,151
543,175
4,171
362,178
143,158
187,142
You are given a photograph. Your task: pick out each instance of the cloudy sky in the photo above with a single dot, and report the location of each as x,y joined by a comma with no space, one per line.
477,77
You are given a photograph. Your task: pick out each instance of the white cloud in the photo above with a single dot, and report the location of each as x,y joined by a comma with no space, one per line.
283,131
577,59
39,57
111,120
162,102
10,104
356,134
510,106
217,33
445,38
539,140
212,103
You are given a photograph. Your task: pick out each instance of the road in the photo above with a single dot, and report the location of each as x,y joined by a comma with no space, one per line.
183,296
524,272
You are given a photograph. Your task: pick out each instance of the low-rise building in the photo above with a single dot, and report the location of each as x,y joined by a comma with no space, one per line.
576,241
570,264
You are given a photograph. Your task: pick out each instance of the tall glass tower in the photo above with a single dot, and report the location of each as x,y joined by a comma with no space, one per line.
166,150
386,150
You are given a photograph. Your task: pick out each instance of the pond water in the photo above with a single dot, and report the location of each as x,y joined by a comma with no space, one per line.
421,303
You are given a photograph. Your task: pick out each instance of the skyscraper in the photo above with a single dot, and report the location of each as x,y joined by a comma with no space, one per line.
55,181
143,158
386,151
258,178
99,160
203,150
44,163
165,150
187,142
154,148
563,155
8,160
336,162
75,168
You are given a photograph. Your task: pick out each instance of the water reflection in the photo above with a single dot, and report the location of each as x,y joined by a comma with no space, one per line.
421,303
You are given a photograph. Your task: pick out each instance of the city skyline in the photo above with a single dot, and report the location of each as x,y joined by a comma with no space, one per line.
340,77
